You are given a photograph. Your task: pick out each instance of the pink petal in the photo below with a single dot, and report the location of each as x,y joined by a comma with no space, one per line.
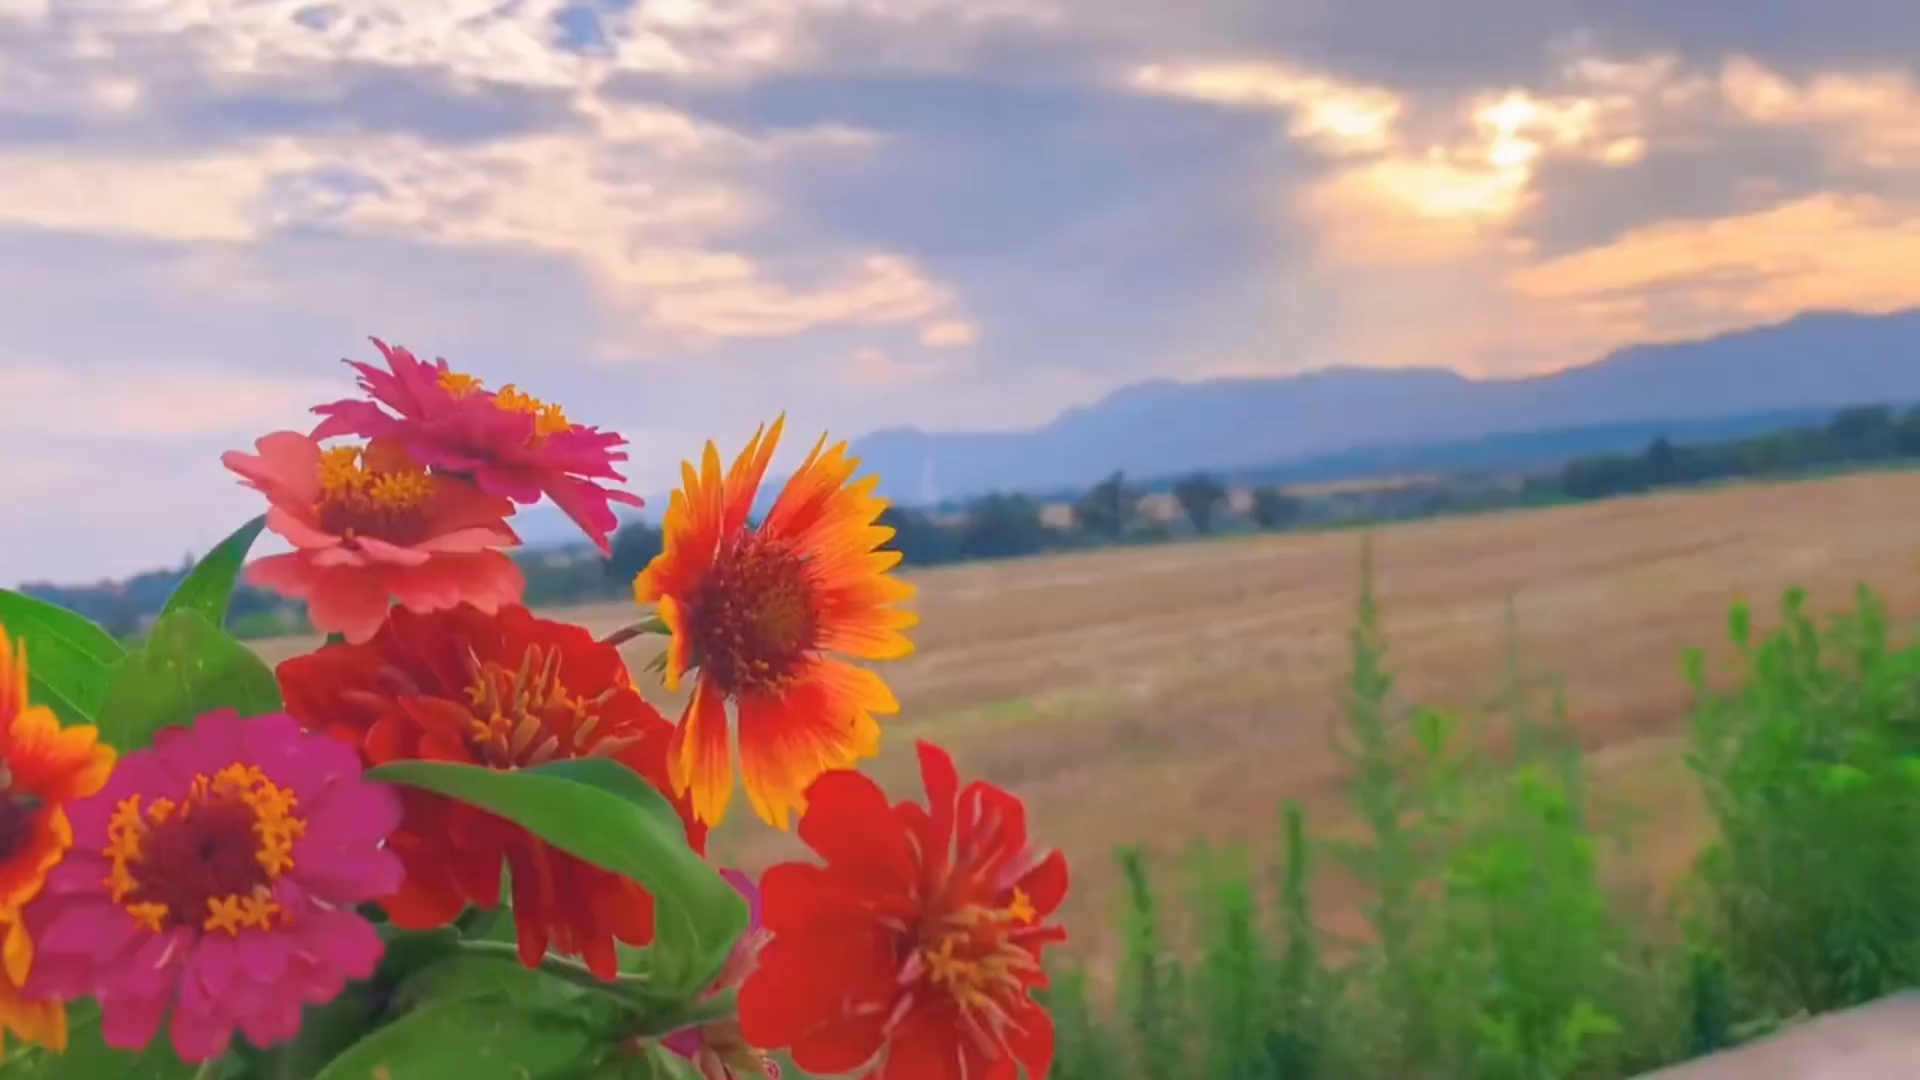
131,1021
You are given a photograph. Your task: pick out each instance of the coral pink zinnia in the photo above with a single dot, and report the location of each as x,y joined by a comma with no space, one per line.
510,443
212,883
371,524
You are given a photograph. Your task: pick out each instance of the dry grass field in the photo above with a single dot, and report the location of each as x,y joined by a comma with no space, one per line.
1174,694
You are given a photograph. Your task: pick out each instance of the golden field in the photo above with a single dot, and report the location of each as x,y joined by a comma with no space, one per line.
1177,693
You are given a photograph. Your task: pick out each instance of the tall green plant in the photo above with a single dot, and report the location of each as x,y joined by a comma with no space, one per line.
1813,888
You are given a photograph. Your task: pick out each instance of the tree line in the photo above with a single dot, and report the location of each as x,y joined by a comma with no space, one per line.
1005,525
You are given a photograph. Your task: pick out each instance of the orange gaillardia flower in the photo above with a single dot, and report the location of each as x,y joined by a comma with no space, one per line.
503,691
43,768
758,611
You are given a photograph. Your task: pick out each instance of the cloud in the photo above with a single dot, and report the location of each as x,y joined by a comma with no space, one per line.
688,216
152,402
951,334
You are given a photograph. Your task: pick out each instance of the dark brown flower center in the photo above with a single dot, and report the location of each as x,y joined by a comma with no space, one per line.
19,813
754,622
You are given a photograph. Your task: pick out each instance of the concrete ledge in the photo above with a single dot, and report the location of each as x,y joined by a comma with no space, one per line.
1880,1041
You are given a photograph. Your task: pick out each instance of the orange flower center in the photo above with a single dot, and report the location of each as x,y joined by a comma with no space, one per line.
526,716
208,861
754,620
459,383
969,955
376,490
547,419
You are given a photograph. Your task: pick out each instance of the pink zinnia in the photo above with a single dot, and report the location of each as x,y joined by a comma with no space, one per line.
370,525
717,1048
211,886
511,444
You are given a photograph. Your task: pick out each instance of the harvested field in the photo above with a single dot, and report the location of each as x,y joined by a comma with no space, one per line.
1174,694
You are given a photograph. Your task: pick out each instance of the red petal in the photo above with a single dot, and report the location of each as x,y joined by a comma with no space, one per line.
1046,884
927,1046
804,983
850,825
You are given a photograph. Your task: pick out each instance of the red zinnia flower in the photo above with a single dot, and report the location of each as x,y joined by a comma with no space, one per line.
370,525
757,610
511,444
504,691
910,954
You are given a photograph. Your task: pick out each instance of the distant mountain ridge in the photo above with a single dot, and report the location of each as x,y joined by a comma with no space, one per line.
1819,361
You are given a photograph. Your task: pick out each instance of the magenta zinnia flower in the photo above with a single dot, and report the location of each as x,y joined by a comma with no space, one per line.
212,883
511,444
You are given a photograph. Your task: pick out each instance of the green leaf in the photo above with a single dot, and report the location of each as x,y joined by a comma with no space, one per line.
601,811
325,1032
479,975
188,668
70,661
473,1039
88,1057
208,587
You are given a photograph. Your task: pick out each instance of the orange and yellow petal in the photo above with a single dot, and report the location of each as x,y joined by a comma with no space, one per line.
42,1023
679,643
700,757
823,721
52,763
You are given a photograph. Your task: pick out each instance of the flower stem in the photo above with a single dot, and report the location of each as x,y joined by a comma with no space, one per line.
655,625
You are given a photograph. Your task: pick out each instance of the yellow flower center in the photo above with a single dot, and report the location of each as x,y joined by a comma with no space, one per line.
526,716
208,861
376,490
459,383
548,419
969,955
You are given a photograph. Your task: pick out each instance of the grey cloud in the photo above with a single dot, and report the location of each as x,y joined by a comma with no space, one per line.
182,106
1742,169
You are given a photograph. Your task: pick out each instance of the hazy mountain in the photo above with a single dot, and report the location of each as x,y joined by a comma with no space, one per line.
1813,362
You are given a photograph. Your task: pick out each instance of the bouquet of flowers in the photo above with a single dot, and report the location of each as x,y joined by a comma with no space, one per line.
455,841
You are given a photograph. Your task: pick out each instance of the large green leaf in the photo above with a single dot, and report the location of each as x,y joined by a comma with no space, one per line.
208,587
485,975
70,661
88,1057
187,668
325,1032
600,811
475,1039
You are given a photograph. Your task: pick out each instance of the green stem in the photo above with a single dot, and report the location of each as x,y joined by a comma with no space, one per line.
210,1068
718,1007
655,625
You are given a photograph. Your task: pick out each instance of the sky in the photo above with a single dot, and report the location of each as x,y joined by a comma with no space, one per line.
678,218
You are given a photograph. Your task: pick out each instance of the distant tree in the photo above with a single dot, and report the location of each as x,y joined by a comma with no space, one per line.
634,546
1865,433
920,540
1663,462
1200,496
1000,526
1108,508
1273,508
1910,432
